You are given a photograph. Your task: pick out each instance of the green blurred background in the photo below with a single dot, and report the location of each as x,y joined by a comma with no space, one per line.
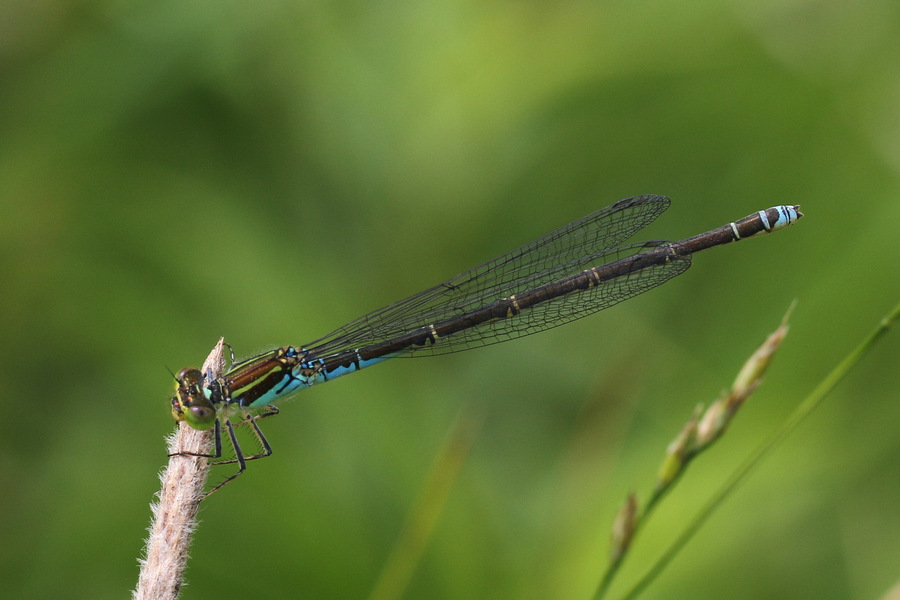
175,171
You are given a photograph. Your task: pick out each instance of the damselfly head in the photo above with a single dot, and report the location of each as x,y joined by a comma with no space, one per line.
190,403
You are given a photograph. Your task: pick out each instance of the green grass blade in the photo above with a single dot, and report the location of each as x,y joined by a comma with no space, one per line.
809,404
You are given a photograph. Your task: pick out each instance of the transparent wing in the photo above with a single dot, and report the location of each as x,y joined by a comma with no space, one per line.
593,240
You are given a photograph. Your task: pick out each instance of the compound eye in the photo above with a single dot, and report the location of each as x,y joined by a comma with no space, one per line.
200,417
188,377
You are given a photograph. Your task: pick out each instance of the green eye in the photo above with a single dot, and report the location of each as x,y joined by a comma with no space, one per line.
200,417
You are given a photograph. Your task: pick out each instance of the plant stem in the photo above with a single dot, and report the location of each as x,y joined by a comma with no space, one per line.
175,516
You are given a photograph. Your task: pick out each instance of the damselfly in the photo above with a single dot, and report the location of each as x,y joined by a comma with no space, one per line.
569,273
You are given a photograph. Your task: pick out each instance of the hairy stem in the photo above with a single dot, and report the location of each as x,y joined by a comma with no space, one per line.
175,515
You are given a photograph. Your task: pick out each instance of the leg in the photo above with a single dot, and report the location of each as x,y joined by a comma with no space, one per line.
240,459
268,411
218,452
